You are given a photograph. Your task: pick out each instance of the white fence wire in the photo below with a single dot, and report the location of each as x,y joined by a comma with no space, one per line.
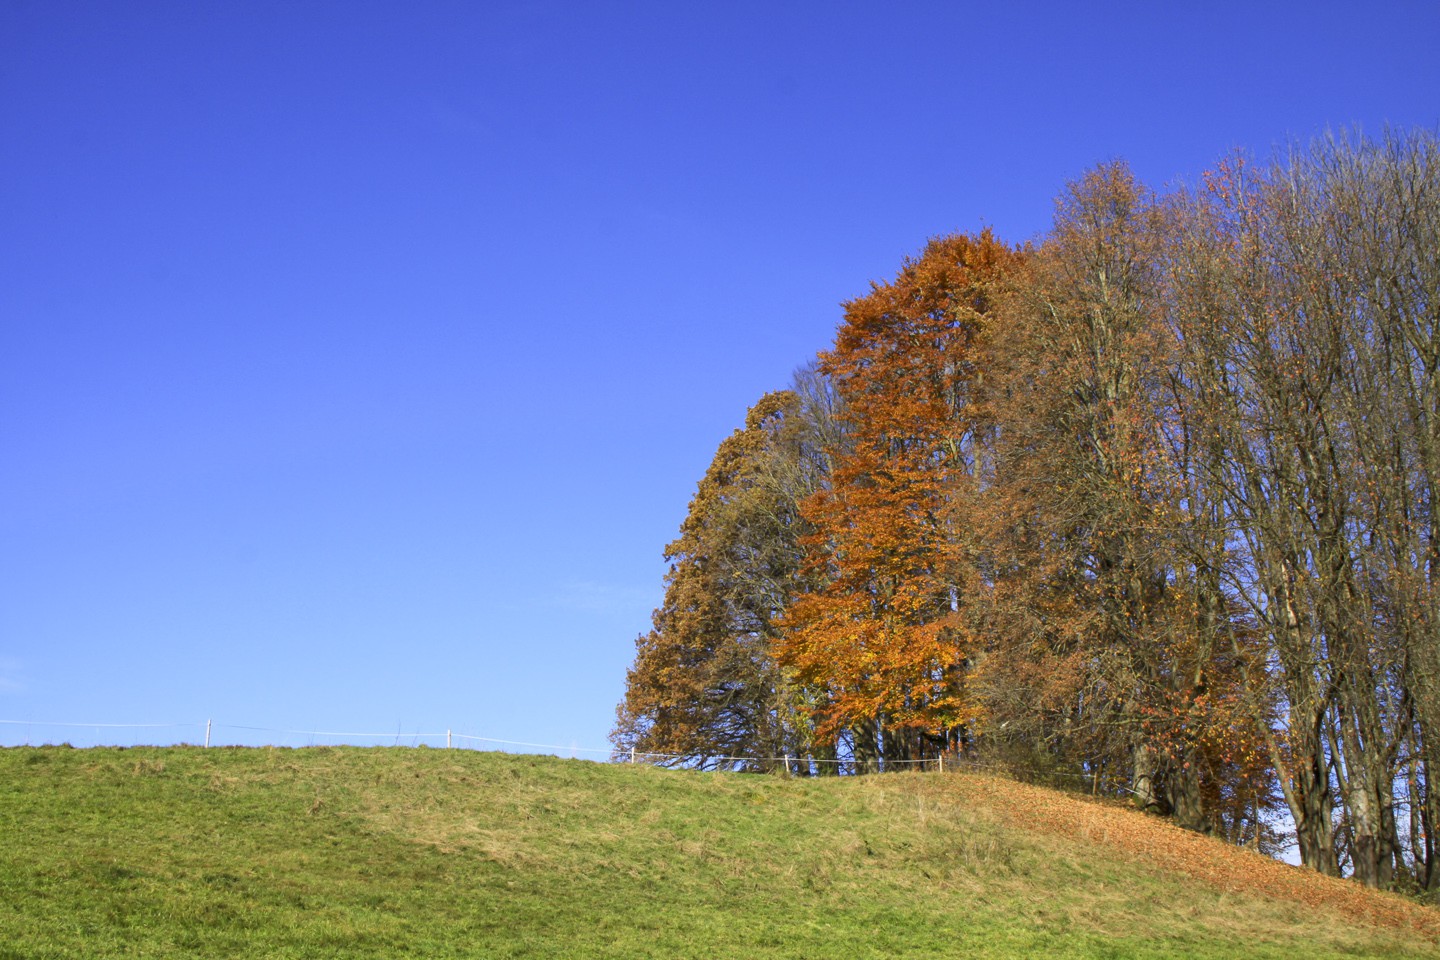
208,733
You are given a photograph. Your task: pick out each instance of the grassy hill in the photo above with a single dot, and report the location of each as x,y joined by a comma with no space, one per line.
350,852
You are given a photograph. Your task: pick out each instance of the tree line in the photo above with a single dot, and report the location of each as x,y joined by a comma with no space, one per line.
1148,503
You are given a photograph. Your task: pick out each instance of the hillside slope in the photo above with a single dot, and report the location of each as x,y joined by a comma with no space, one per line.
349,852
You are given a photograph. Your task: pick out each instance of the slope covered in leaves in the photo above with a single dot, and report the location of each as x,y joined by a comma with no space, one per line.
1153,841
383,853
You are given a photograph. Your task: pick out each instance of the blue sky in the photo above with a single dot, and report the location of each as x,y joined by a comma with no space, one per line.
357,360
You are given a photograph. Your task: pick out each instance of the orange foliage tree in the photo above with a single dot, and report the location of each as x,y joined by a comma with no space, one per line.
884,637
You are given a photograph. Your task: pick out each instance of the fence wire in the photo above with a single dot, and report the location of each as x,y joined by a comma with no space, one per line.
209,734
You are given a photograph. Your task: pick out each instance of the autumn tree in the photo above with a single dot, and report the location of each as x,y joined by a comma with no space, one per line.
1104,624
883,636
704,688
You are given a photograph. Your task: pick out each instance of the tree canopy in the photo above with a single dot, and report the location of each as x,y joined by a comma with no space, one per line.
1148,505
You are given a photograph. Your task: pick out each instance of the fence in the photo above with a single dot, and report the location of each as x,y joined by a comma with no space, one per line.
208,733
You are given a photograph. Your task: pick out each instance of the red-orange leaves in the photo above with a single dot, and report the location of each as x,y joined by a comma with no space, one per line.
884,636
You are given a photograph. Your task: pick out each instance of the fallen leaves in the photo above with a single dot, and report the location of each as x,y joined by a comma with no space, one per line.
1161,844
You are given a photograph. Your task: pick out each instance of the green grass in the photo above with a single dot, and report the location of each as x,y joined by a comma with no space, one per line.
348,852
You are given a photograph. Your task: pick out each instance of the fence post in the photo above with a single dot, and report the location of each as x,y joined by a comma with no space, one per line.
787,764
207,733
941,761
632,754
447,739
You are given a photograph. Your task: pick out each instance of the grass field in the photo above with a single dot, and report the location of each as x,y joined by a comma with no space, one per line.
351,852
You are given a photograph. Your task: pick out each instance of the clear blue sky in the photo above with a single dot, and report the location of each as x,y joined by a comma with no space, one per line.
357,360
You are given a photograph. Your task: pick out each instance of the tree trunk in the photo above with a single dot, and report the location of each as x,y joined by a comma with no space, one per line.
1147,781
